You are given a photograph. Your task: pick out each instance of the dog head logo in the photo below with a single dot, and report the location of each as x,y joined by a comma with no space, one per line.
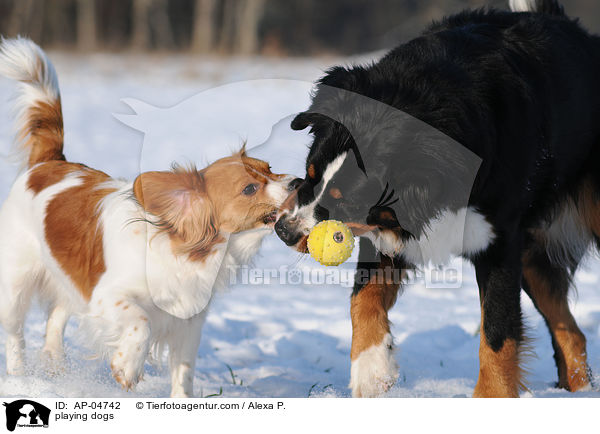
26,413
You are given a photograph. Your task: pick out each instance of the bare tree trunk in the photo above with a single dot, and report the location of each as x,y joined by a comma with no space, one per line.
250,13
160,24
140,26
86,25
21,17
203,32
59,22
36,22
228,25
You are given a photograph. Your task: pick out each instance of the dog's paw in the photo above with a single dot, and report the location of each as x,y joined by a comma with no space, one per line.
16,369
53,362
180,394
126,371
374,371
15,356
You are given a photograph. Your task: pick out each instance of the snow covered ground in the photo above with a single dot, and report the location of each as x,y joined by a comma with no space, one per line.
261,340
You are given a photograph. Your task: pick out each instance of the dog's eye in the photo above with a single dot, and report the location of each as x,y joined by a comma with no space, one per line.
335,193
250,189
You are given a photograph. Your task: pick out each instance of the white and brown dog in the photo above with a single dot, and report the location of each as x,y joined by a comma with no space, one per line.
138,261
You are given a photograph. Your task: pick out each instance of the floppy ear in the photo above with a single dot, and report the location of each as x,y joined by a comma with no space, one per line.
241,153
304,119
179,202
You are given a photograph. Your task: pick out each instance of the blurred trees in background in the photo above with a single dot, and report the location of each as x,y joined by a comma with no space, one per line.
239,27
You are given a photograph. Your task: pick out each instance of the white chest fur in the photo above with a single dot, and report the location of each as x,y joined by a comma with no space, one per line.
464,232
177,285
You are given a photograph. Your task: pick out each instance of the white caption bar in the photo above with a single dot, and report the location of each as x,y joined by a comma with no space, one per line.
157,415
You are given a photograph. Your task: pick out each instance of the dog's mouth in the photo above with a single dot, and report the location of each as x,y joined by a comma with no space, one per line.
302,245
270,218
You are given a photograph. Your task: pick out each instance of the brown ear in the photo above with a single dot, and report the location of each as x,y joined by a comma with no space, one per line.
241,153
181,206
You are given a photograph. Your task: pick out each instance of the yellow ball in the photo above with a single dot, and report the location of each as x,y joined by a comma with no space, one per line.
330,242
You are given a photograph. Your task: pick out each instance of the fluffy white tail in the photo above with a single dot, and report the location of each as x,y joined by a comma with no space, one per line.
522,5
39,122
551,7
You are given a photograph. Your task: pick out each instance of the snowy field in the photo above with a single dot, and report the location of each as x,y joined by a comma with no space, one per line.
285,339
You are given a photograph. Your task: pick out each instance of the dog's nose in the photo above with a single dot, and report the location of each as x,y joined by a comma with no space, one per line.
287,232
294,184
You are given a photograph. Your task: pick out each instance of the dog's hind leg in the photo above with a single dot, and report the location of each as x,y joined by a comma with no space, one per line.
55,327
15,304
498,272
20,275
18,281
547,285
15,347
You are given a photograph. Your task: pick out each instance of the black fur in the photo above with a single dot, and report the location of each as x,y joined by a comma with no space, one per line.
519,90
368,267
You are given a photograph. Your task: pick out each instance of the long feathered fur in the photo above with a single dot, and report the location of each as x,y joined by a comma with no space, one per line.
551,7
39,122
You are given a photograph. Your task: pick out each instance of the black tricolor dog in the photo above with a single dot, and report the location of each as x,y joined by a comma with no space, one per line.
522,92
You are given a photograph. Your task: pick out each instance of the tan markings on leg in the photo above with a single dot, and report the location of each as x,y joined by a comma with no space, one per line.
500,375
119,379
73,232
369,307
571,355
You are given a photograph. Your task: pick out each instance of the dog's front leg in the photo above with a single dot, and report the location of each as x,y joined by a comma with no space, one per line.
183,351
498,273
133,344
374,369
